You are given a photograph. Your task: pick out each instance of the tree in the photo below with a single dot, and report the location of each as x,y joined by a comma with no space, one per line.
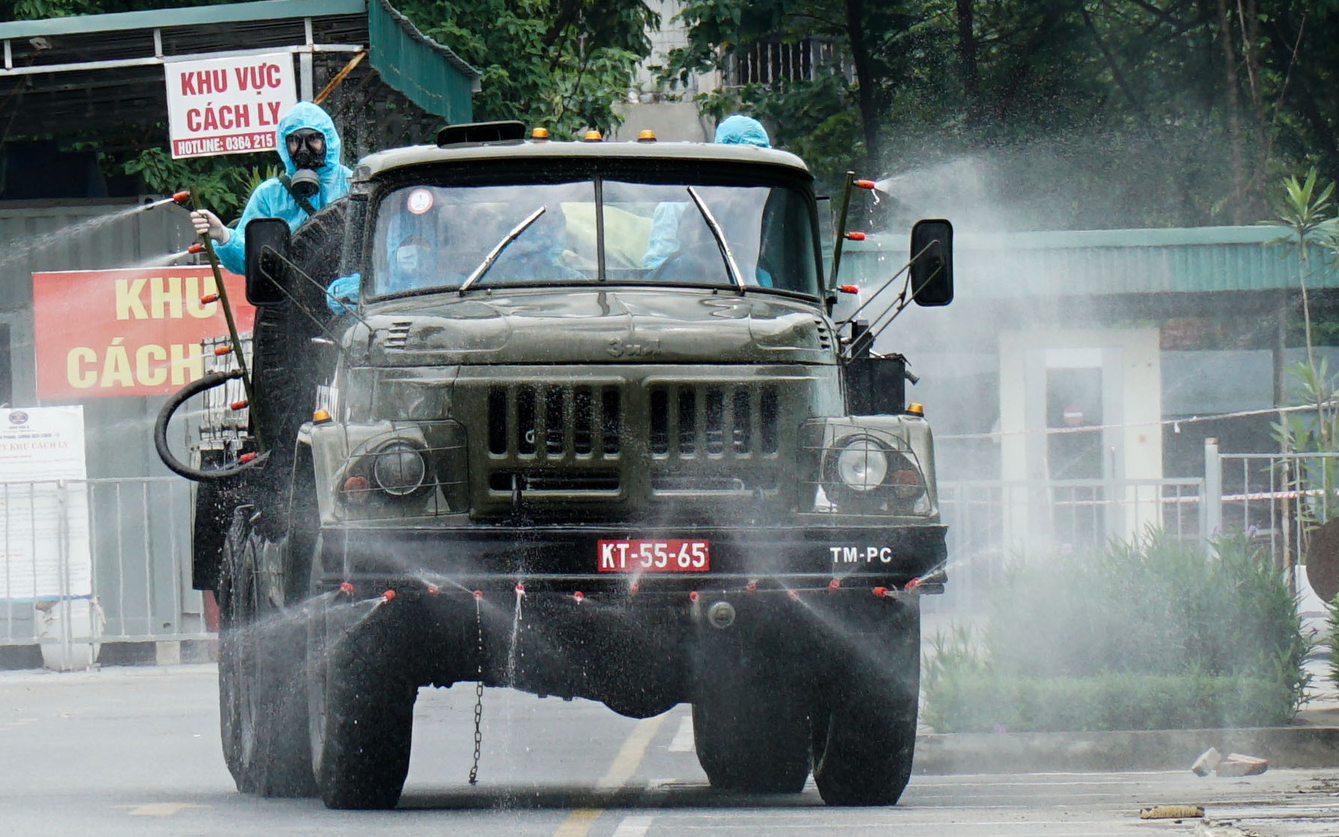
556,63
1090,112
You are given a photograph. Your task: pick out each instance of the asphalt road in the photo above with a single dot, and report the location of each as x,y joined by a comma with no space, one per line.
135,751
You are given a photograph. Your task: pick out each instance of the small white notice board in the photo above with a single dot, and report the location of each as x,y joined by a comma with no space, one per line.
44,536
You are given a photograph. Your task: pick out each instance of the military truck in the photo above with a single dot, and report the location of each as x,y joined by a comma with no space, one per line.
589,430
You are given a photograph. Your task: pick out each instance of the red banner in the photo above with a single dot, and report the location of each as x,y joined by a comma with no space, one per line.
127,332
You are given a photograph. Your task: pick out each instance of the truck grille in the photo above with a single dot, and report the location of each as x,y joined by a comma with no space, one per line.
529,420
695,420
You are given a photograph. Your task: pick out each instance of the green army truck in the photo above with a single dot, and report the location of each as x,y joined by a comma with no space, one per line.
588,429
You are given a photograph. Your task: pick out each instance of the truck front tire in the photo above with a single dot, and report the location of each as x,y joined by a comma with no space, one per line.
361,708
865,727
750,711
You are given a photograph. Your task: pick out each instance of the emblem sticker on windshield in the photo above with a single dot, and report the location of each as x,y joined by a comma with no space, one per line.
420,201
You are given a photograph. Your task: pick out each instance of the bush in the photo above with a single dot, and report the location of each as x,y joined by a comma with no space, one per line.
1148,635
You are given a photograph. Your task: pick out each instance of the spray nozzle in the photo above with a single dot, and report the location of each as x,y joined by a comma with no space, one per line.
834,585
578,597
181,197
387,596
346,588
197,247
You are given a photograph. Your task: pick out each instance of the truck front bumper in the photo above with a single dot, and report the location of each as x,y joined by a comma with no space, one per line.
564,558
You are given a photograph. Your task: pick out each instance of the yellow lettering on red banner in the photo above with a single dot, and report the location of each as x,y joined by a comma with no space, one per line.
165,297
76,363
188,363
150,370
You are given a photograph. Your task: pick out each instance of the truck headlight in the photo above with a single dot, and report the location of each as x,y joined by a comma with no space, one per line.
399,469
862,475
862,464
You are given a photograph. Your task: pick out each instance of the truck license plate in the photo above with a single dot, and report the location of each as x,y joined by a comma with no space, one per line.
656,556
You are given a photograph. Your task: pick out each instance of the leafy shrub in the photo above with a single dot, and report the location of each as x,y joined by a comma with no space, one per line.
1147,635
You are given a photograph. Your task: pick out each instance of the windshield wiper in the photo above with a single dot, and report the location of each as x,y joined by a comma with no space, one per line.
500,246
730,264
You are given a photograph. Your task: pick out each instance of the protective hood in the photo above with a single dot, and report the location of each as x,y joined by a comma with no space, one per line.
742,130
307,115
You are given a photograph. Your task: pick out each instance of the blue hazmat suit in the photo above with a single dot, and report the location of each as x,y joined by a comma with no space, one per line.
272,200
663,240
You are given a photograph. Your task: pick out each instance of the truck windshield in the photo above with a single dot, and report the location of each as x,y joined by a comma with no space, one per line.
608,231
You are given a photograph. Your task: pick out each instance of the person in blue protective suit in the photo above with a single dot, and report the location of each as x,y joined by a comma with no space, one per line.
742,130
309,147
663,240
536,254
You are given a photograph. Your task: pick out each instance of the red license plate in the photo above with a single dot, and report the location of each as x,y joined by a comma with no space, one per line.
654,556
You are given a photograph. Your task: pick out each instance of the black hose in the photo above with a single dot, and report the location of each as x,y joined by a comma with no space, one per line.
194,388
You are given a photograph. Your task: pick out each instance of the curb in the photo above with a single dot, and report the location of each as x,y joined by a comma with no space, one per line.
1300,746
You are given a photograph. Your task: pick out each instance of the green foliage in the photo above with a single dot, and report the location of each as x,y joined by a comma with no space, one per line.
1108,702
1143,635
558,63
1106,114
220,183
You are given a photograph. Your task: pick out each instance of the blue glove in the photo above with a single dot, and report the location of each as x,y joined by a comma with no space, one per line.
343,290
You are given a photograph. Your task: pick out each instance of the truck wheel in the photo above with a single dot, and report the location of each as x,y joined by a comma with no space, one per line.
757,745
361,709
750,715
865,732
261,714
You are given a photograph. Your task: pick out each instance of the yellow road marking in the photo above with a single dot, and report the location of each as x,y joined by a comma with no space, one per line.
578,822
625,764
159,809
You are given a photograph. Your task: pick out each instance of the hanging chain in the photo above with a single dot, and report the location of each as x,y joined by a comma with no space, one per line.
478,695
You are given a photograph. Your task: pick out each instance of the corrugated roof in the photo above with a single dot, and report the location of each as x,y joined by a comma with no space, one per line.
427,73
190,16
62,74
1105,262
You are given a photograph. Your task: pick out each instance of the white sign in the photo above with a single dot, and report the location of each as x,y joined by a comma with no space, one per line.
44,537
227,105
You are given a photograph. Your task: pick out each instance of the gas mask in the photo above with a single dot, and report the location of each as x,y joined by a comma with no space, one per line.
411,258
306,148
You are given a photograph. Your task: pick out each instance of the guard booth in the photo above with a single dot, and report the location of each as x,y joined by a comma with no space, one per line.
383,82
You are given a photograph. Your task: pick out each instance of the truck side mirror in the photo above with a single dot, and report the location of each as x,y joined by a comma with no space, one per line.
267,271
931,262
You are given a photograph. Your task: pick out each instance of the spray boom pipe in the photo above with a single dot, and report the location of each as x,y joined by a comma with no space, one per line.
227,316
841,229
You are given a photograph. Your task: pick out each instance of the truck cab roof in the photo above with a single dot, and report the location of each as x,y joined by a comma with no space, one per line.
530,151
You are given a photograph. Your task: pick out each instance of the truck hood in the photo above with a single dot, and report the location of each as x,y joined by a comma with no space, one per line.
566,325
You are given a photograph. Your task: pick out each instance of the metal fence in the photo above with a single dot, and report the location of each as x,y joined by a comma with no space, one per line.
100,559
1276,498
991,522
120,548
